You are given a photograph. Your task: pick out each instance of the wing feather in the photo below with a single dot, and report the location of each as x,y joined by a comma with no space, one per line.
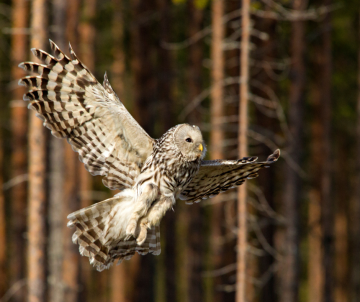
216,176
74,105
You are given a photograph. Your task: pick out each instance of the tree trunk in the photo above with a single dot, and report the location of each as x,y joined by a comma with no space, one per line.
242,151
315,267
120,281
355,209
165,105
327,204
217,135
37,159
19,51
71,204
72,186
341,253
3,245
56,198
291,275
195,213
144,112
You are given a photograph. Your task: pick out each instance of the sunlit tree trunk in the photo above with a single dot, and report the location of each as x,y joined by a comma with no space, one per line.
56,180
37,159
217,134
72,186
19,51
315,267
292,193
242,151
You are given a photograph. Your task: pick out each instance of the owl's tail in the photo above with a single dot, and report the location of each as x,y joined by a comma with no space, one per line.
100,232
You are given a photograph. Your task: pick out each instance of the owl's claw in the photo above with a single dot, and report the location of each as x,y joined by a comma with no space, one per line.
144,225
131,229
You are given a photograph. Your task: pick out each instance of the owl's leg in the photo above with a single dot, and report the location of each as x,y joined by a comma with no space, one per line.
143,203
153,217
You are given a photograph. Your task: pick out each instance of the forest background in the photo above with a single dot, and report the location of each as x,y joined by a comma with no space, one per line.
260,75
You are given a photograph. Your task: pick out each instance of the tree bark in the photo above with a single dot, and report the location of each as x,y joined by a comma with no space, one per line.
242,151
56,197
291,269
120,281
217,135
355,209
19,51
142,64
3,244
37,159
315,267
195,213
71,204
327,204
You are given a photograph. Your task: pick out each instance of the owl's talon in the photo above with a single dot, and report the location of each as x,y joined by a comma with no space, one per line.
131,229
143,232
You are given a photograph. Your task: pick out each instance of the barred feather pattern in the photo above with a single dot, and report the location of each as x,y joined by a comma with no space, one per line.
74,105
167,167
95,235
217,176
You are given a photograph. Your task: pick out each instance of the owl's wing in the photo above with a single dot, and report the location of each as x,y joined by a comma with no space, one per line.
74,105
216,176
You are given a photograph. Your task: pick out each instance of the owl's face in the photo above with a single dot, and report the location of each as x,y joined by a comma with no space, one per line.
190,142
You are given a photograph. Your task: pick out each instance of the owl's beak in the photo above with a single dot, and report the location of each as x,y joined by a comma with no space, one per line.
201,148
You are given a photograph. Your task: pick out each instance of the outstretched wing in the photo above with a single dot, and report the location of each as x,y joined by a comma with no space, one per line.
74,105
216,176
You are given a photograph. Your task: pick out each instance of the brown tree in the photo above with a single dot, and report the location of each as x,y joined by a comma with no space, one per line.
37,159
355,205
195,213
217,132
242,151
291,264
56,181
19,53
326,198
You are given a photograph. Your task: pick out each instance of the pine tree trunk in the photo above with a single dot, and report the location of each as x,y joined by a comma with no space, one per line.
195,213
19,51
327,204
144,112
217,135
315,267
3,245
119,274
56,196
242,151
71,251
72,186
37,159
291,274
342,198
355,206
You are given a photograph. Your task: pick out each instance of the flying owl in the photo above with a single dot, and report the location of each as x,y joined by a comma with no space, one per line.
151,173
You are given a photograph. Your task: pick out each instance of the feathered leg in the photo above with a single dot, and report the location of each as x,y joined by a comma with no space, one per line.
154,215
143,203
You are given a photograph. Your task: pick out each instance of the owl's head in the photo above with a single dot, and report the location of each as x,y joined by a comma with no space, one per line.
190,142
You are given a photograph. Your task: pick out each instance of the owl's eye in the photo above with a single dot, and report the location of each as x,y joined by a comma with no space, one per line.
189,140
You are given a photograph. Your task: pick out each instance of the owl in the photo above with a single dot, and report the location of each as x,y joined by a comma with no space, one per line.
151,173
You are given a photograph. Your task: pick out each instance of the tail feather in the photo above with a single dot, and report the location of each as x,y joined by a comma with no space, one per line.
100,232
